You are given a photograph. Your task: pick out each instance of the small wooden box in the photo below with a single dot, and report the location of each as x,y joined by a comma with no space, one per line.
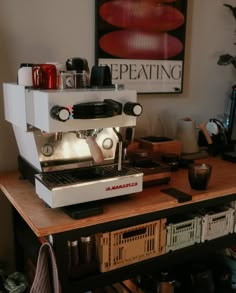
157,146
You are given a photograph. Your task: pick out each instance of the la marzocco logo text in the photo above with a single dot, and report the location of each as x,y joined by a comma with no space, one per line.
127,185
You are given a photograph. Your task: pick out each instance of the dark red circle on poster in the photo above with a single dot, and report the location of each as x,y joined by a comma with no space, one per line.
142,15
132,44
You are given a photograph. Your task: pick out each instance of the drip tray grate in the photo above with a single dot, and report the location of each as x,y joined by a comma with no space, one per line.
83,175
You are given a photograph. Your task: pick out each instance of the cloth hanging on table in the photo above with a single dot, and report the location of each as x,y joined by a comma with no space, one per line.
46,277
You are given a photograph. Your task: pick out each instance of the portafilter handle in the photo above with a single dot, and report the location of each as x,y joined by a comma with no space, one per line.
95,150
90,137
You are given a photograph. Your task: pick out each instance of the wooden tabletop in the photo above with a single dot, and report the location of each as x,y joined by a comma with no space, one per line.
45,221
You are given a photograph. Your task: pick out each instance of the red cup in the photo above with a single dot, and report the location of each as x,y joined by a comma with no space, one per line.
44,76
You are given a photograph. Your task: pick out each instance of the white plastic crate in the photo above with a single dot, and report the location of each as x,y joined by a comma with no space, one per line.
130,245
183,233
233,205
216,222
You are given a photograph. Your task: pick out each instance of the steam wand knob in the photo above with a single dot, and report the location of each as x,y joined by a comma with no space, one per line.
60,113
133,109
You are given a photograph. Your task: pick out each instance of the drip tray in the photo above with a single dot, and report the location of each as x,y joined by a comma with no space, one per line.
63,188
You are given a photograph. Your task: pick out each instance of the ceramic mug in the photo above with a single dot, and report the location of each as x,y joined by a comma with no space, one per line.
24,75
44,76
199,175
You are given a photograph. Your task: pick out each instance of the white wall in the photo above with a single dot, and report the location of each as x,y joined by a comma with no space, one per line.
207,86
54,30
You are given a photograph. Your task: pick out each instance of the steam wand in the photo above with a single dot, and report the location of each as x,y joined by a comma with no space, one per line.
120,139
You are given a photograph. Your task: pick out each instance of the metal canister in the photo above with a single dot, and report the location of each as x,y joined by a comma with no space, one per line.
73,258
167,284
86,249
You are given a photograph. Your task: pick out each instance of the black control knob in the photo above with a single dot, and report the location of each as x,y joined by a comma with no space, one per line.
60,113
133,109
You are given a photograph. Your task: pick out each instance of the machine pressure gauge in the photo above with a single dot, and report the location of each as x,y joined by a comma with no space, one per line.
107,144
47,150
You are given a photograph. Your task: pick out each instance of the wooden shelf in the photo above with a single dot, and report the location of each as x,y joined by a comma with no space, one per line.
124,211
164,262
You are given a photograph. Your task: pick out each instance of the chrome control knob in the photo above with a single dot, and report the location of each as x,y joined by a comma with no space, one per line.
133,109
60,113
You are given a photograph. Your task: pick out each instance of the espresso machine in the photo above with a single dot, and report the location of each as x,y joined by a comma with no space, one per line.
70,141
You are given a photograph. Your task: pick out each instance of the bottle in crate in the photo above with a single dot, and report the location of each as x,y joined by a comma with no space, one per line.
233,206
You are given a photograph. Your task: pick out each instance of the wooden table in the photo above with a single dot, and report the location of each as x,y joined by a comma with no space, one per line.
44,221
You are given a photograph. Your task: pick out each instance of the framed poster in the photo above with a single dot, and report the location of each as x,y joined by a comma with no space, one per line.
143,43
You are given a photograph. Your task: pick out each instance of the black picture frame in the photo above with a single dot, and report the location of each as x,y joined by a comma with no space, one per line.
143,54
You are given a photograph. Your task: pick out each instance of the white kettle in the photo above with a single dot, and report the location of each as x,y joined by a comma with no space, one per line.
186,134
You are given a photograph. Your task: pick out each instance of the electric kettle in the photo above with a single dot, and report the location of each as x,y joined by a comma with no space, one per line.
186,134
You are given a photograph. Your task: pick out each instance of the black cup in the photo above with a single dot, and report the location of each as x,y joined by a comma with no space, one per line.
199,175
101,76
